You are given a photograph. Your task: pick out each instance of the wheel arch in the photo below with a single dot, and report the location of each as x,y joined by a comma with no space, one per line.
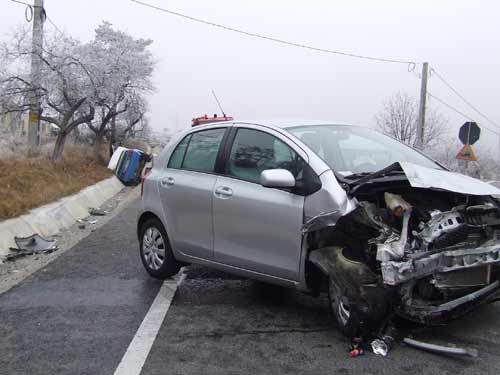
145,216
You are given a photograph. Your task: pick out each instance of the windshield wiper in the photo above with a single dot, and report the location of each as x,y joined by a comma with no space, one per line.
357,175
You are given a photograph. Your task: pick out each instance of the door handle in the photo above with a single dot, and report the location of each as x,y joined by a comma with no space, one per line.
223,192
168,181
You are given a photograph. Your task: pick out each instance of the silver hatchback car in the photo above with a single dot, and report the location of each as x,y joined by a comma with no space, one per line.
379,226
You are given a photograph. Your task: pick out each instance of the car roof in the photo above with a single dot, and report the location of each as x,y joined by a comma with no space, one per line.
284,124
277,123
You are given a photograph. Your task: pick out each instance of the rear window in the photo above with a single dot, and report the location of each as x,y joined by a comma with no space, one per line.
178,155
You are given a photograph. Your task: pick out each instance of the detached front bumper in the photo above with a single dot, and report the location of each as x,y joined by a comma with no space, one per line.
443,313
438,261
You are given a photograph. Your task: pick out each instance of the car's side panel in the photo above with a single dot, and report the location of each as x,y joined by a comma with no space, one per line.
258,228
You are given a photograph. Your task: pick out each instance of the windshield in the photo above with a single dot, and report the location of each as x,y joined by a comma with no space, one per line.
351,150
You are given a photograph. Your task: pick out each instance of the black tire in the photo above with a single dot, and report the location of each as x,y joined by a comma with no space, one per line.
344,312
153,229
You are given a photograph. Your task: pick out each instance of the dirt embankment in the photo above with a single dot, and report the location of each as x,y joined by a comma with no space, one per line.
29,182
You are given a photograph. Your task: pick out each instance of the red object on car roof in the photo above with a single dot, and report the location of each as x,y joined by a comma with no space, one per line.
207,120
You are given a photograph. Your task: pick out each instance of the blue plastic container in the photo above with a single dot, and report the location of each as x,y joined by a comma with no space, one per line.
128,169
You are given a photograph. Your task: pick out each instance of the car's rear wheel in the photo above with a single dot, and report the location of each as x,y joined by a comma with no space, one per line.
156,253
345,312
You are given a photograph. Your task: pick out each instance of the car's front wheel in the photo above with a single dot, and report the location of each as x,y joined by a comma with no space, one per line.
345,312
156,253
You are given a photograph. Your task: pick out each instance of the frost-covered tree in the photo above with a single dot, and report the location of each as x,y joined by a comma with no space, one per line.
121,68
398,118
486,167
64,85
132,121
81,83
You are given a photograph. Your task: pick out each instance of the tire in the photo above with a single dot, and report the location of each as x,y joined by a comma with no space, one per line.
344,312
155,251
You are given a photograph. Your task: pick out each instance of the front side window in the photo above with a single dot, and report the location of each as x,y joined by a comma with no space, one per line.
198,151
254,151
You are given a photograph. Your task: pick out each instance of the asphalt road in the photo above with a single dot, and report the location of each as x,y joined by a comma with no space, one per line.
79,314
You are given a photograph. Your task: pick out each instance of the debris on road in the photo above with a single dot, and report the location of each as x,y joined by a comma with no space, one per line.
34,244
380,347
96,211
383,344
440,349
356,350
82,223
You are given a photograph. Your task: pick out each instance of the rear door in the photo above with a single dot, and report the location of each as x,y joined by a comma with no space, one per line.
186,188
258,228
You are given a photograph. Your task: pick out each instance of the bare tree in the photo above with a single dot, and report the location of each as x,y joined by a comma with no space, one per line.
398,118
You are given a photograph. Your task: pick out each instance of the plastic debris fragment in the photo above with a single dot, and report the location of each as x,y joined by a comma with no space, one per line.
95,211
34,244
440,348
379,347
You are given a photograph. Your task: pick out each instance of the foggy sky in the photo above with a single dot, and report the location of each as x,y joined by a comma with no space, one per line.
257,79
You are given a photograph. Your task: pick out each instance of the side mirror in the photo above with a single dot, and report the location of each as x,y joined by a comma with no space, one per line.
277,178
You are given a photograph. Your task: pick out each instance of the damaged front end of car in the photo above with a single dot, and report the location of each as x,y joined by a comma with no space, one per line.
426,253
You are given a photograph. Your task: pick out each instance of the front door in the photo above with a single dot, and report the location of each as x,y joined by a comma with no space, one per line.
186,188
257,228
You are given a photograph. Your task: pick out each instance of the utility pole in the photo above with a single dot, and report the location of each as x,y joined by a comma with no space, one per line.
423,103
36,52
499,149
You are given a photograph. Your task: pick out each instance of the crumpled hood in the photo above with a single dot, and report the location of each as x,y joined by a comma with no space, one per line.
423,177
430,178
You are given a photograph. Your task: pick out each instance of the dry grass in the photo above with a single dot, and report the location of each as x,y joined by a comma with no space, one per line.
30,182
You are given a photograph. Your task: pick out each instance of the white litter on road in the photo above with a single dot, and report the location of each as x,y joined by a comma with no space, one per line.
138,350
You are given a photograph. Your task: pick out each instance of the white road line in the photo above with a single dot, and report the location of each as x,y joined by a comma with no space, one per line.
138,350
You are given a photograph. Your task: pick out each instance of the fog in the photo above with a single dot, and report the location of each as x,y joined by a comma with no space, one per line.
258,79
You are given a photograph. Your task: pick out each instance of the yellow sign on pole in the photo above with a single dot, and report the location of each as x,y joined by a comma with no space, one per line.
33,117
466,153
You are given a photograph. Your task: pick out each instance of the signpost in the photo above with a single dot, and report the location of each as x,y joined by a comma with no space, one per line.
468,134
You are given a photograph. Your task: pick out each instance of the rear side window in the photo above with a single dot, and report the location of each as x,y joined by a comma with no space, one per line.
178,155
202,150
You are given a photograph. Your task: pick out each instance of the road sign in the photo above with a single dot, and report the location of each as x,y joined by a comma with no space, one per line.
469,133
466,153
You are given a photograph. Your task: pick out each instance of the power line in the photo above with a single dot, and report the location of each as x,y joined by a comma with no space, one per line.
53,24
21,2
440,77
272,39
459,112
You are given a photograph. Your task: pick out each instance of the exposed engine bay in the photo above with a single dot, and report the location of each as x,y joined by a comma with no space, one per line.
428,255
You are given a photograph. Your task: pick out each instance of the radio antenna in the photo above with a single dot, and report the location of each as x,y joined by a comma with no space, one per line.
218,103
